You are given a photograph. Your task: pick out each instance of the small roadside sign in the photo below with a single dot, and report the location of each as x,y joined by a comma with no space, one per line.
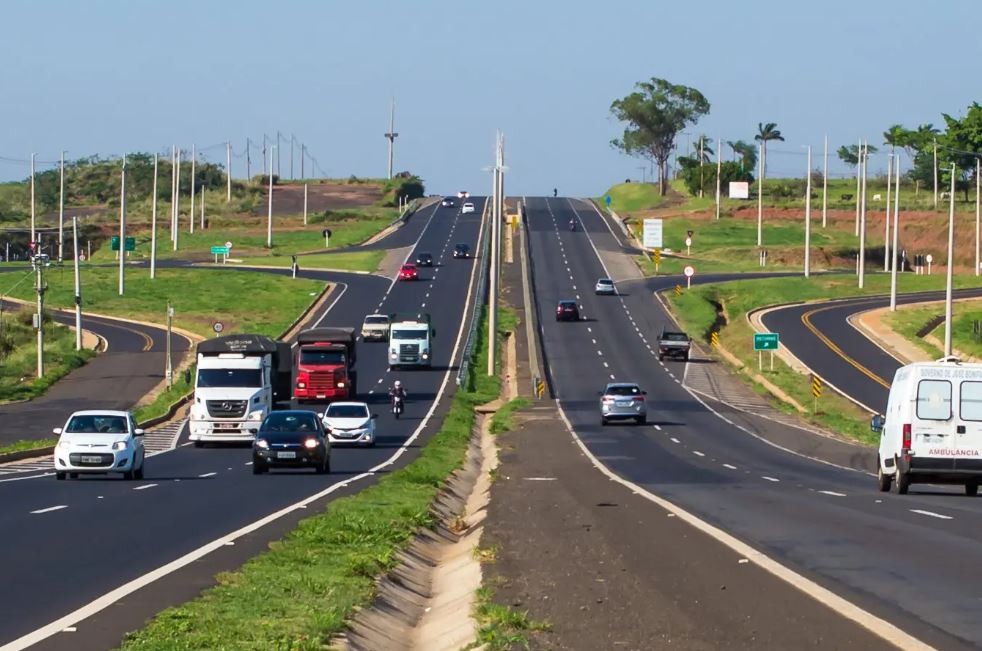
130,243
678,290
228,245
766,340
689,272
218,326
652,234
816,386
219,250
714,339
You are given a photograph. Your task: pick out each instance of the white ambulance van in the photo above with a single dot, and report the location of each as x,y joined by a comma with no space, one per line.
932,429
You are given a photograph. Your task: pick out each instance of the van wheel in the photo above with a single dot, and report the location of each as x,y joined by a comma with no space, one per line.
883,480
971,489
903,481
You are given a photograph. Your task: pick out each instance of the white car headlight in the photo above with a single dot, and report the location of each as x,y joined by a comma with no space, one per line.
310,444
262,443
64,445
119,445
257,414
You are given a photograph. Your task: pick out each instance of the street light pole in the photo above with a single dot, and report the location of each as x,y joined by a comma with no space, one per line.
269,219
191,212
935,173
228,172
78,288
33,237
168,367
859,181
122,226
153,223
808,215
896,240
951,265
760,194
863,163
61,209
177,202
825,184
719,172
39,288
886,226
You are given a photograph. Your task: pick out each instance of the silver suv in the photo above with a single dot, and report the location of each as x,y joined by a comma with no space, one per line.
623,400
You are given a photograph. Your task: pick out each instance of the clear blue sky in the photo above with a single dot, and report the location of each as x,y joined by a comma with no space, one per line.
117,75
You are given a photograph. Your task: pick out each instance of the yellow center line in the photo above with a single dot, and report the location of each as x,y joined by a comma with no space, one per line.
806,319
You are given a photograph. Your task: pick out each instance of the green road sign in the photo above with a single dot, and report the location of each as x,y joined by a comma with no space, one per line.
219,250
765,341
130,243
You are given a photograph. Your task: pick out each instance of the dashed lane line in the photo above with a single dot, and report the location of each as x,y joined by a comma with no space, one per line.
50,509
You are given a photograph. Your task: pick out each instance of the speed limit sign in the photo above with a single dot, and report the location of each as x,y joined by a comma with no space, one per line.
218,327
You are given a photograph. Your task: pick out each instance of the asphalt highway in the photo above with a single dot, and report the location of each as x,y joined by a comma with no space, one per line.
824,340
912,560
66,543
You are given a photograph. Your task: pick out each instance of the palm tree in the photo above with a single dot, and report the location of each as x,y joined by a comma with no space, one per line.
746,152
703,149
895,137
766,132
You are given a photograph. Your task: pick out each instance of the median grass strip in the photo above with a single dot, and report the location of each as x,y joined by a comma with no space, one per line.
23,446
909,320
696,310
502,627
343,261
503,419
18,355
299,594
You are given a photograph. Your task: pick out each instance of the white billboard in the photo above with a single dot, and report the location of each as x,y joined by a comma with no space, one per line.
739,190
652,234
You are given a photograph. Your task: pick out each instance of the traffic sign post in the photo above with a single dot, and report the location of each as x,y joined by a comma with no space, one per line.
689,272
327,237
130,243
651,236
220,251
929,258
218,326
816,391
657,256
768,341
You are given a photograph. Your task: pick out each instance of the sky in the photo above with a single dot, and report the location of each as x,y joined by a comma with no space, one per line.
113,76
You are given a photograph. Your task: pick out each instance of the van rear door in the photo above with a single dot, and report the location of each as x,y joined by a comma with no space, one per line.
967,441
933,427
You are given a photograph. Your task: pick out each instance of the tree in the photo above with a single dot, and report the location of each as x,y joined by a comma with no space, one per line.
746,152
959,142
703,149
697,180
765,133
655,114
849,154
894,136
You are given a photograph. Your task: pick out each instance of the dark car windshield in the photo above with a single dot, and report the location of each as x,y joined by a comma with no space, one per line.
97,424
623,390
605,281
377,319
567,304
407,334
314,356
347,411
675,336
424,256
463,247
284,422
230,377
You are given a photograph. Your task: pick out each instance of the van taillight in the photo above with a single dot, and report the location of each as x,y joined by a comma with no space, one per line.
906,441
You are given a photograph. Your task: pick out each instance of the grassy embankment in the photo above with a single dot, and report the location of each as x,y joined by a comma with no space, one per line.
908,321
696,310
199,296
18,356
299,594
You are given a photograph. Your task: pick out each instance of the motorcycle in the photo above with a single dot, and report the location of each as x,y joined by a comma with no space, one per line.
572,226
397,406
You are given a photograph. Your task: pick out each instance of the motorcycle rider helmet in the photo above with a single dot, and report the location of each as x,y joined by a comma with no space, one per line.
397,384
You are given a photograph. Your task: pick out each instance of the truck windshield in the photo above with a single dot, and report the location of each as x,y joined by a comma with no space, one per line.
314,357
380,320
229,377
408,334
675,336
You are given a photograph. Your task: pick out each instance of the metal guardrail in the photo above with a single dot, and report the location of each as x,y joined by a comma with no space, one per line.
480,298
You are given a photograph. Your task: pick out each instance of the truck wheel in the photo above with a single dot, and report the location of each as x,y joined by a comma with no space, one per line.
971,489
661,358
686,358
199,444
60,476
903,481
883,480
603,422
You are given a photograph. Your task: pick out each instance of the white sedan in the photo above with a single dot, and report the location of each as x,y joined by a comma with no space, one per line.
99,442
349,422
466,208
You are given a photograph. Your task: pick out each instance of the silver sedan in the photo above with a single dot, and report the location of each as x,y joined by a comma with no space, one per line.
623,401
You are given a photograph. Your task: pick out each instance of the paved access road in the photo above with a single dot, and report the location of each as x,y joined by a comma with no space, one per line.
821,336
913,560
110,532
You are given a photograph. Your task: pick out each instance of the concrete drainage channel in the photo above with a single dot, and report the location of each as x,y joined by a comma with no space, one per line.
428,600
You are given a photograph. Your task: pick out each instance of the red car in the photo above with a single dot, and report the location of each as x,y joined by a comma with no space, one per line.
408,272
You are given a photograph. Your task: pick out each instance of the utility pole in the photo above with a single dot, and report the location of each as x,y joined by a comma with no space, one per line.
168,367
886,227
269,220
859,181
304,204
863,163
701,141
202,224
951,265
264,158
61,209
292,140
496,202
303,157
228,172
279,150
392,135
173,189
122,226
78,288
248,160
808,215
153,224
760,194
177,202
719,172
33,237
40,287
896,240
191,212
825,184
935,173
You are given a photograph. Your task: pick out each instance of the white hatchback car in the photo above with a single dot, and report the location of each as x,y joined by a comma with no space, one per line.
467,208
349,422
99,442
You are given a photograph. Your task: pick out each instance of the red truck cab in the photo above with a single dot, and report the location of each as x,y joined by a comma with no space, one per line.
324,365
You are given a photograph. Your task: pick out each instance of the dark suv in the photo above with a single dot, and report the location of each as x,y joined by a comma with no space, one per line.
567,311
461,251
424,260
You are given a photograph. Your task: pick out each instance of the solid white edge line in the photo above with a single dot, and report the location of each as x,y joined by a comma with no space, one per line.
144,487
49,510
113,596
932,514
847,609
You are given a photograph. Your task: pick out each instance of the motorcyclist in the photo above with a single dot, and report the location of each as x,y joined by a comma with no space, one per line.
572,224
397,390
555,192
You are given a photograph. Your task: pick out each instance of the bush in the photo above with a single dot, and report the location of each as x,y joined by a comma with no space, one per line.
692,177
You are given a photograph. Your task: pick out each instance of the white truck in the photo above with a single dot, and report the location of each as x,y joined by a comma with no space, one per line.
932,429
410,341
239,380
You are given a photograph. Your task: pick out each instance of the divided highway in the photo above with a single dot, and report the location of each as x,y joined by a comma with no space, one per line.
67,543
912,560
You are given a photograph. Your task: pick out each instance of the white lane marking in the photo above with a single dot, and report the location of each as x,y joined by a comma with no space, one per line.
380,381
674,440
731,467
832,493
589,329
248,463
594,341
208,474
657,427
70,629
146,486
122,591
698,453
50,509
611,376
606,365
932,514
47,474
867,620
774,479
600,353
539,478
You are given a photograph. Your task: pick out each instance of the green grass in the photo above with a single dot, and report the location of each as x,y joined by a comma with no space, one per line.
199,296
503,419
22,446
696,312
18,356
300,593
632,197
160,404
348,261
503,627
906,321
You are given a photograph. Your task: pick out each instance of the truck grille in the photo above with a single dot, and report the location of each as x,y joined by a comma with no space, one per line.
227,408
408,352
320,381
